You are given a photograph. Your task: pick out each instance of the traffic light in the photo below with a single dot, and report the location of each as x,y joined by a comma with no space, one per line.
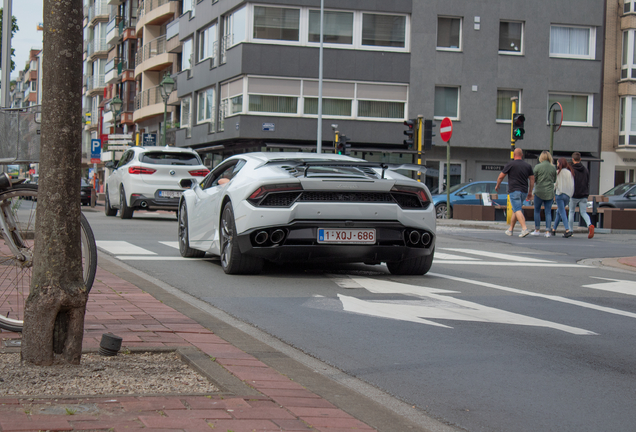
428,134
344,146
411,133
518,130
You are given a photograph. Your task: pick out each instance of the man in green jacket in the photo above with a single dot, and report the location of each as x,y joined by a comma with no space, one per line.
544,179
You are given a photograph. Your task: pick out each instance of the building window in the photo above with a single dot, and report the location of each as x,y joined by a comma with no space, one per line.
207,44
276,23
577,109
449,34
446,102
273,104
510,37
384,30
573,42
205,105
337,27
504,104
186,114
627,121
628,68
234,27
34,85
330,107
186,55
379,109
231,99
628,6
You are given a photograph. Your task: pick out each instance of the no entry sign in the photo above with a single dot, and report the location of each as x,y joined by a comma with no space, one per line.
446,129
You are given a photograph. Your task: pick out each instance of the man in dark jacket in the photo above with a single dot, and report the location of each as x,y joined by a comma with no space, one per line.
581,192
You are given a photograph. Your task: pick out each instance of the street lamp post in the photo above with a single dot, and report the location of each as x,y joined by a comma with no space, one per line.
167,85
115,106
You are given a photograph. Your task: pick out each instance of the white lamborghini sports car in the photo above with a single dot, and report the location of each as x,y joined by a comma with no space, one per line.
284,207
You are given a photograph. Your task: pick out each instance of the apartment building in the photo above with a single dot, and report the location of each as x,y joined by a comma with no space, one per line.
153,61
121,37
96,17
248,78
618,149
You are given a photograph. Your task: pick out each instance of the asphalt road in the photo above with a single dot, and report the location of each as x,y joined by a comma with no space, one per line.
504,334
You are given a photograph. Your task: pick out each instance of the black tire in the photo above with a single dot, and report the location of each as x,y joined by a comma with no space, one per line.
440,211
125,212
184,242
108,210
15,273
413,266
232,260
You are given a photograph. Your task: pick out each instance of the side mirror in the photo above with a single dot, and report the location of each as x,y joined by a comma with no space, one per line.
630,195
462,193
110,164
186,183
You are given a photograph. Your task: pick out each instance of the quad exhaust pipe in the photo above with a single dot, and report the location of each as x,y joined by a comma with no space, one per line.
271,237
415,238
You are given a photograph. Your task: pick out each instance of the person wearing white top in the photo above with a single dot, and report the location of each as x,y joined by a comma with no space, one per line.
564,187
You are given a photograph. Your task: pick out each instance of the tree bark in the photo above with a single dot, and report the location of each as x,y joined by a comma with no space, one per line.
54,311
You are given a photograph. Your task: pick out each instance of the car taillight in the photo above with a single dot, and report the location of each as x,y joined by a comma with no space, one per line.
199,173
421,194
140,170
284,187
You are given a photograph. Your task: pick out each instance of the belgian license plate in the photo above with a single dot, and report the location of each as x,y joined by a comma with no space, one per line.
170,194
346,236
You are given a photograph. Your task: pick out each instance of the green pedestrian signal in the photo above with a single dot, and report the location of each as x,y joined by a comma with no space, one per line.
518,130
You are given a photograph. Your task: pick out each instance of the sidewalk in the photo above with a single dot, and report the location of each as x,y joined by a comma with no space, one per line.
254,396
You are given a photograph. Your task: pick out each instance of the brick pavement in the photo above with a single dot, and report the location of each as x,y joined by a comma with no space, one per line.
274,402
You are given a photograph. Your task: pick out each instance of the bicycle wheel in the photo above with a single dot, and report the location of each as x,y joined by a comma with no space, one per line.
17,213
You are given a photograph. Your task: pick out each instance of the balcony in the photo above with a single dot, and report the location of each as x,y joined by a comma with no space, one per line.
98,11
97,47
115,2
112,72
155,12
149,103
95,84
112,32
153,56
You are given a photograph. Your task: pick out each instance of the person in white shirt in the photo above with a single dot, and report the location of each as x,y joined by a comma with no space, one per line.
564,187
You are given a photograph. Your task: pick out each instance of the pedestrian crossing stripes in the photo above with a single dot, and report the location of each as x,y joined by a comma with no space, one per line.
168,251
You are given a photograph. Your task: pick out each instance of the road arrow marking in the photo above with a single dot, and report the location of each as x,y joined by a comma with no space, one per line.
442,307
616,285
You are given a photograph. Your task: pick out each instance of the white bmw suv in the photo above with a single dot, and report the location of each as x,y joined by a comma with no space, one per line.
147,178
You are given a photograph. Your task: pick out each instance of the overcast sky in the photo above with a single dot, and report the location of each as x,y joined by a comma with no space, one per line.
28,14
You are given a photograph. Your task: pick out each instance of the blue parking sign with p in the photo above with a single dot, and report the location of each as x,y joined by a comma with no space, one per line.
96,149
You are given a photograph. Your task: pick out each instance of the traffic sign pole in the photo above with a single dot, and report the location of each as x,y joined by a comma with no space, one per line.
445,133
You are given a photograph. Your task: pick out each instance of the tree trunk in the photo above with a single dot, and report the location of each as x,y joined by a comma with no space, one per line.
54,311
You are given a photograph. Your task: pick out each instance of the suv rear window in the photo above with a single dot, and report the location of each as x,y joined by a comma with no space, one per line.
164,158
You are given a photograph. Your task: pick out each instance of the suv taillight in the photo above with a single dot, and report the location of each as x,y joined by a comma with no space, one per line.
199,173
140,170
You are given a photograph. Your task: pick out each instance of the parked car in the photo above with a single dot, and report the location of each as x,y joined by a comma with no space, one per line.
465,193
622,196
86,191
148,178
282,207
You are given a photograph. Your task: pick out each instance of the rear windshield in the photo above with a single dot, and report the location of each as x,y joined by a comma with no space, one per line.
164,158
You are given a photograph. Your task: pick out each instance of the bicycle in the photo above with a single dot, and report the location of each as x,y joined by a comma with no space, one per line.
18,203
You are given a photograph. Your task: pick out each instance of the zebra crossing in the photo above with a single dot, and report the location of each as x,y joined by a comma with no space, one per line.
169,251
